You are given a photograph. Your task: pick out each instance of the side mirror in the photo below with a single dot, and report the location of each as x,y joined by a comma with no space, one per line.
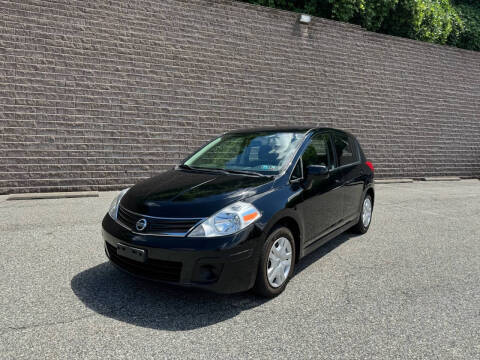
314,172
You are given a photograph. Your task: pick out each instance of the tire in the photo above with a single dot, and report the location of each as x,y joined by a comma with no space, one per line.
362,226
274,286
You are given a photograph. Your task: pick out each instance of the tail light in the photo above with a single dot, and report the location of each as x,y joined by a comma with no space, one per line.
370,165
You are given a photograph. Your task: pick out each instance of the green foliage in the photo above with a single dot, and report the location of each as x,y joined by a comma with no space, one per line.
375,12
344,10
426,20
469,36
436,21
369,13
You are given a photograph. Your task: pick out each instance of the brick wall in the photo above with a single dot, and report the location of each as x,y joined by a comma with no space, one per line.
99,94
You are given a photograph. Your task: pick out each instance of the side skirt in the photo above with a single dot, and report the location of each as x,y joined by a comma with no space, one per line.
322,240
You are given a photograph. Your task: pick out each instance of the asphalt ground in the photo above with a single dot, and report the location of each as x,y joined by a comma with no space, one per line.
408,289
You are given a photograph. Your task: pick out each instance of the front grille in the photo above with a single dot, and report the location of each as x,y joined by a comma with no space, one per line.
155,225
161,270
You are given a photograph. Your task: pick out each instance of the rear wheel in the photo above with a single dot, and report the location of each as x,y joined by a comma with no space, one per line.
276,263
365,216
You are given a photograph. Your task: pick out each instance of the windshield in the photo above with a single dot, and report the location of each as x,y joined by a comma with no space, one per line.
262,152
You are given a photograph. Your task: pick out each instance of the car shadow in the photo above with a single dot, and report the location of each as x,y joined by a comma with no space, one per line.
323,250
112,293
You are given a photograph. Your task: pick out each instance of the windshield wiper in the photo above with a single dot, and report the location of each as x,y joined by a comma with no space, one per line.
201,169
246,172
225,171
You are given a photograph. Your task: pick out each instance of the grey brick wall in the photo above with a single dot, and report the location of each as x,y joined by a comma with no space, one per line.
99,94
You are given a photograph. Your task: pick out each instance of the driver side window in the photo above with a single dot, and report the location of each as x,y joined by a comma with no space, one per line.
318,152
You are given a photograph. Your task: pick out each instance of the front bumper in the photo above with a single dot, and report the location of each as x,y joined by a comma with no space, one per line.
224,265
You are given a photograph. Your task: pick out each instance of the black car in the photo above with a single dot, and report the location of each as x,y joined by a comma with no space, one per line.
241,211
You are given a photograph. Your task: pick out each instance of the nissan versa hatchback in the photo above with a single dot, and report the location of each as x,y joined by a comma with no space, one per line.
243,210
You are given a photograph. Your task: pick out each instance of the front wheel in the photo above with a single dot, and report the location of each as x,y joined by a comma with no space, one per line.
365,216
276,263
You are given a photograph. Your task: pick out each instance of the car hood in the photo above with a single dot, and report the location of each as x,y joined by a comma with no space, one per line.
185,193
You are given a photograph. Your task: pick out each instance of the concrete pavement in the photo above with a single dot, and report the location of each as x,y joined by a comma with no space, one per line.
408,289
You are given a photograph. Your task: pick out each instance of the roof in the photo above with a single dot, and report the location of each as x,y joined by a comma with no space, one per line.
283,129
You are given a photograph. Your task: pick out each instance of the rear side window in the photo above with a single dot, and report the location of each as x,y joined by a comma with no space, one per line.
345,149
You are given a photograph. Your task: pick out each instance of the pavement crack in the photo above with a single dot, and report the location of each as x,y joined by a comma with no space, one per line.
53,323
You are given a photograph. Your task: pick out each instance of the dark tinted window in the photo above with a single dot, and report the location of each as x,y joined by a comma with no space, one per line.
297,171
346,152
318,152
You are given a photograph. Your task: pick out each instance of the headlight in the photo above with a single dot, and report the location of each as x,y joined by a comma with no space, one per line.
227,221
113,210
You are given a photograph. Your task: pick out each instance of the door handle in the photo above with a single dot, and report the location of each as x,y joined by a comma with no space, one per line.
337,181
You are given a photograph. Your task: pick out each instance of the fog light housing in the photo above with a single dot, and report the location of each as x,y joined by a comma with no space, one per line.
207,273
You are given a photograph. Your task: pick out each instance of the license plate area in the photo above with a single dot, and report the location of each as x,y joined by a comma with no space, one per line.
131,253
